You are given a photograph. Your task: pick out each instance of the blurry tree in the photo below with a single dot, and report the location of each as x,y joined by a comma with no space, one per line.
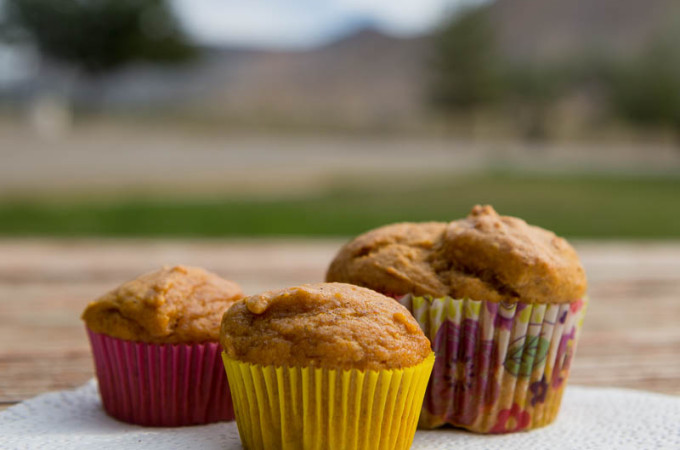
466,68
535,88
646,90
98,36
470,73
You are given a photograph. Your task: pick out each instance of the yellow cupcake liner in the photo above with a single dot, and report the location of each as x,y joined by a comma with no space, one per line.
315,408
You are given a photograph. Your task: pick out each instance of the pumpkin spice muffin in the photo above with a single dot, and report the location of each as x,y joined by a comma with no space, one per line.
485,256
325,325
170,306
502,302
156,349
327,365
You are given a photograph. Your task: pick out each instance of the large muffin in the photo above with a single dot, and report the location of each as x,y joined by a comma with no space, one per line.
156,350
328,363
172,305
484,256
501,301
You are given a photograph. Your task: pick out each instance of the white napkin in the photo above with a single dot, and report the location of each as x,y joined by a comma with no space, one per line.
591,418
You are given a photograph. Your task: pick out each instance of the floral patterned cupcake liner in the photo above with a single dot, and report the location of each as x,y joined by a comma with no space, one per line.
500,367
164,385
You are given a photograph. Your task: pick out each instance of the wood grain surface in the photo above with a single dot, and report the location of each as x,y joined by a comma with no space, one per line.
631,336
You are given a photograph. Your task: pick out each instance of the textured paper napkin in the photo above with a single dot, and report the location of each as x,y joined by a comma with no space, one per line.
590,418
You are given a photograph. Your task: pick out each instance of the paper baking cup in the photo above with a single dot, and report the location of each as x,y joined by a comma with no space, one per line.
314,408
500,367
164,385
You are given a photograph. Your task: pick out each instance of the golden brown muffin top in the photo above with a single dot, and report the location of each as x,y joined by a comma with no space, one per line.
172,305
330,325
483,257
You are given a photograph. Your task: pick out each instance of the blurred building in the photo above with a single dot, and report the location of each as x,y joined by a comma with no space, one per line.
366,77
549,30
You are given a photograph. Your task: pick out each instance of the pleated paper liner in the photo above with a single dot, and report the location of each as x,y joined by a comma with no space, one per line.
314,408
500,367
165,385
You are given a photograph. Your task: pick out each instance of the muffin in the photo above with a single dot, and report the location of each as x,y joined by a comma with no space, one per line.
325,366
502,302
156,347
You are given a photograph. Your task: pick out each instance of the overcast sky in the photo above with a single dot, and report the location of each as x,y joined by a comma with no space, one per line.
304,23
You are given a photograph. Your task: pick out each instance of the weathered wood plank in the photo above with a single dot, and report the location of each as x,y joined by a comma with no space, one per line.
631,338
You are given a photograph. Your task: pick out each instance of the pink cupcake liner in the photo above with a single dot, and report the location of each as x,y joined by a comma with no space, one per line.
162,385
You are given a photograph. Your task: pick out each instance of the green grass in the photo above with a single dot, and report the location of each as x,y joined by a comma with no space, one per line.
578,206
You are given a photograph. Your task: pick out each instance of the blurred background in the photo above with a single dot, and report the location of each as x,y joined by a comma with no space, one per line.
212,118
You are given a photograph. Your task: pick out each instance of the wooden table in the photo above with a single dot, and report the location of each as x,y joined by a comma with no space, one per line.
631,336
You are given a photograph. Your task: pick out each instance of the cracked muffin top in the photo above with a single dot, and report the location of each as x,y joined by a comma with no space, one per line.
483,257
329,325
172,305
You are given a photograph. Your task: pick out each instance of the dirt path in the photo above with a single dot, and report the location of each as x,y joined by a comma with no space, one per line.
99,158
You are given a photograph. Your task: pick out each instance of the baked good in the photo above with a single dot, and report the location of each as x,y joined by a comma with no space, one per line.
156,350
170,306
334,326
325,363
502,302
484,256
